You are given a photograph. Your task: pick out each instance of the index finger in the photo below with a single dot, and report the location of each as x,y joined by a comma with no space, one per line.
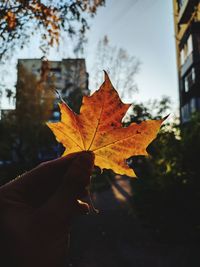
61,204
37,185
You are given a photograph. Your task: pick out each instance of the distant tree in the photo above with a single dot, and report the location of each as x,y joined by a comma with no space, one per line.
20,19
23,130
166,195
156,109
121,66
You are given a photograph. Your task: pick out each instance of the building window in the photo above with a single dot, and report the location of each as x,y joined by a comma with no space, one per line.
189,80
186,84
56,74
182,56
36,71
192,105
189,45
185,113
187,50
193,75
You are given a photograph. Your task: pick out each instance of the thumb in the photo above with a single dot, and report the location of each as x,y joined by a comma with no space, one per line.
77,176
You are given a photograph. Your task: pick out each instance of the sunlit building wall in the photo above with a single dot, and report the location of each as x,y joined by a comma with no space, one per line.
187,36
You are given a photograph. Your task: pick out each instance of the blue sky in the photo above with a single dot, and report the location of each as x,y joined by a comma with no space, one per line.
144,28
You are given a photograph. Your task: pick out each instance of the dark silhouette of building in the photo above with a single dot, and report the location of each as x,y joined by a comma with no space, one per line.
187,35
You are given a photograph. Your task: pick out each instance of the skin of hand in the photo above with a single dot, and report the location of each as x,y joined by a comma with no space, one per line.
37,208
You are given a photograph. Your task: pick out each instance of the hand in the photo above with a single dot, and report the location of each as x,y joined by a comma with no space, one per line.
36,210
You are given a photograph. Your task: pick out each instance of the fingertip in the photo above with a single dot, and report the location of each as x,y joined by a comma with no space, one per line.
82,164
77,175
86,157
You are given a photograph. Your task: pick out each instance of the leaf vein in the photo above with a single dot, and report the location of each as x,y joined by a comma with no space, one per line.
111,143
102,108
65,134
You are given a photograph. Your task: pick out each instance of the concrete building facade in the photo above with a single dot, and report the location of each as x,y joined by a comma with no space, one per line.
61,76
187,36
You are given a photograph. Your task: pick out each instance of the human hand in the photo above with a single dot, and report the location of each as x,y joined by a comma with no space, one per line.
36,210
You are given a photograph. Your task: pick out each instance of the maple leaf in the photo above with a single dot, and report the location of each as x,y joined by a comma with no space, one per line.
11,20
98,128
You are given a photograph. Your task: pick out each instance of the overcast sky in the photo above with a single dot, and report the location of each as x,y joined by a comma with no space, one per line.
145,29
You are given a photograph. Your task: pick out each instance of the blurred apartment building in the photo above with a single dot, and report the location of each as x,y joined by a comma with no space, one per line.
63,77
187,35
68,77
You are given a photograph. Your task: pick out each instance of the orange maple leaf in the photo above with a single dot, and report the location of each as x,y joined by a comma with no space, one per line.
98,128
11,20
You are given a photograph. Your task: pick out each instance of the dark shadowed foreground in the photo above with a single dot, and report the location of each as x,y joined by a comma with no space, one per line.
116,237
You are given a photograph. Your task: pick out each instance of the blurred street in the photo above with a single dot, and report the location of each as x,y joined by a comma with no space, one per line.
115,237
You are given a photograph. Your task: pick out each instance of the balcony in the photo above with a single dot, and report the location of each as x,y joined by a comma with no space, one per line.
186,9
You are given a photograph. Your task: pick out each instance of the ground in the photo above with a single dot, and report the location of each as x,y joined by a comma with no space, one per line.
115,237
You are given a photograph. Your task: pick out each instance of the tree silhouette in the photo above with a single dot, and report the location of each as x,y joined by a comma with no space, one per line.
20,19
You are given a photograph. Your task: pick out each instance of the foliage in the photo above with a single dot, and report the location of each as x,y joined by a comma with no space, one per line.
166,195
20,19
25,138
156,109
97,128
119,63
23,131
